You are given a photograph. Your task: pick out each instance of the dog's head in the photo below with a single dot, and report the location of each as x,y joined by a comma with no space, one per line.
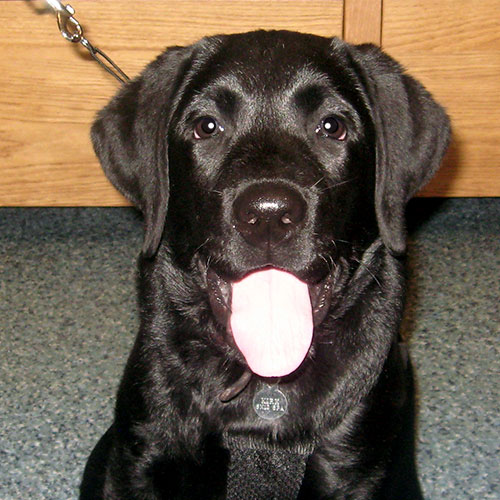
271,151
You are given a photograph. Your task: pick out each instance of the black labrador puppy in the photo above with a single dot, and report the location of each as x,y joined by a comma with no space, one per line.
273,170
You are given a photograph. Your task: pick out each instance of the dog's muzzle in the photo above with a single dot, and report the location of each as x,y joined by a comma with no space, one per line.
268,309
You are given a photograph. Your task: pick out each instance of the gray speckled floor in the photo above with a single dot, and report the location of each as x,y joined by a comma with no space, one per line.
68,319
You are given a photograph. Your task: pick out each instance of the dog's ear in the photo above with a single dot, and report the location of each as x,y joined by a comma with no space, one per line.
130,139
412,134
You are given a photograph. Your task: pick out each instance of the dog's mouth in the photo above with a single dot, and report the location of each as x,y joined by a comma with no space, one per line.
270,314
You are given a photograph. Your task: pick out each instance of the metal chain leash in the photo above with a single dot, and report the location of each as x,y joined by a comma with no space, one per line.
72,31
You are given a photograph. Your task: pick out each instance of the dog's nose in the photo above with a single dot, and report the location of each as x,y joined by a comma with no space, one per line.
267,214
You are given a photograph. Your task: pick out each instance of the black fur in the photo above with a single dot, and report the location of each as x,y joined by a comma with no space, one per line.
352,397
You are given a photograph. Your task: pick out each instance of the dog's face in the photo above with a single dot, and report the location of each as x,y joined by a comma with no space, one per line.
272,164
271,150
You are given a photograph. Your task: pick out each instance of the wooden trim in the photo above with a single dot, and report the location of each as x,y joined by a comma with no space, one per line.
363,21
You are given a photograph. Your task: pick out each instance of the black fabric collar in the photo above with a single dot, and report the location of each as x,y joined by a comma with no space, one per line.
264,473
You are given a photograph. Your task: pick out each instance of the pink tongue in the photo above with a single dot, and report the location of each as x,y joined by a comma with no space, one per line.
272,321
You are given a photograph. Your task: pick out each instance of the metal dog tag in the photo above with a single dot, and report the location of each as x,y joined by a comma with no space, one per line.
270,403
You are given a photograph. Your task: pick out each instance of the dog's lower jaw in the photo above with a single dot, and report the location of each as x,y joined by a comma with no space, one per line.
220,294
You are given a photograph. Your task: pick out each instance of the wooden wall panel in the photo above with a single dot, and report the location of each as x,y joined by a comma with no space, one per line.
50,91
453,47
363,21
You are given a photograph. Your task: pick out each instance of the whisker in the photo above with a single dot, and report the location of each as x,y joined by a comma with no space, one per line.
328,263
317,182
344,182
362,264
341,183
331,264
341,241
202,245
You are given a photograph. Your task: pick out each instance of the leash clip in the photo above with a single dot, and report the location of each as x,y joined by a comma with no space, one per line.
69,27
72,31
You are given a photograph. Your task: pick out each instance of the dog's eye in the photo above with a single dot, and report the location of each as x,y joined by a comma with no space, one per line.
333,128
206,127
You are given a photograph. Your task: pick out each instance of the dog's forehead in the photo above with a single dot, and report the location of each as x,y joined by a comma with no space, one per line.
267,74
263,62
265,83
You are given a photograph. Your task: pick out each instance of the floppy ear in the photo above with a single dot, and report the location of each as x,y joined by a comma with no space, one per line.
130,139
412,134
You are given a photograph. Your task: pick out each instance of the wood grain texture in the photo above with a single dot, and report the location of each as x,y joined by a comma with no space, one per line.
50,92
363,21
453,47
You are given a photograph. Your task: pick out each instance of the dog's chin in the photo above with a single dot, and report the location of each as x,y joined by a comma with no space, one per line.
309,304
